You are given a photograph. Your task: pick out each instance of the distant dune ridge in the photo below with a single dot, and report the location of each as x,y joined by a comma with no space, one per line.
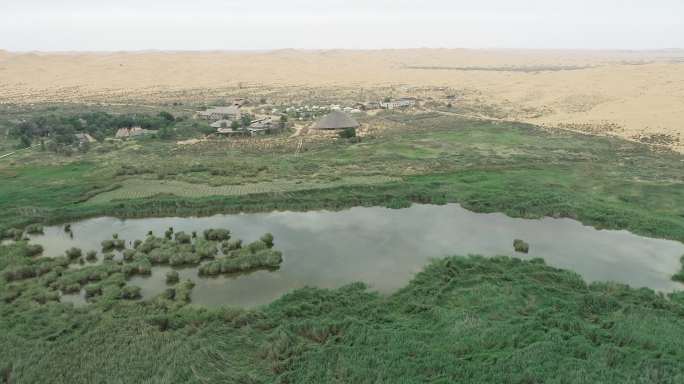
638,95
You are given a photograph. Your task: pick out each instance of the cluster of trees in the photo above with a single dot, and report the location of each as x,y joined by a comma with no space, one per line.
61,130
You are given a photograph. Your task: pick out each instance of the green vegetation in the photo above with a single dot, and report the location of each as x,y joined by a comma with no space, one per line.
34,229
61,130
172,277
521,246
256,255
461,320
474,319
513,168
679,276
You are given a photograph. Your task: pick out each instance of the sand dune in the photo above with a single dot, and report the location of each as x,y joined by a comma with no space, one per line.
639,95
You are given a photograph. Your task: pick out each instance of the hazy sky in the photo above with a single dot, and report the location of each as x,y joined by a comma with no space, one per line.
268,24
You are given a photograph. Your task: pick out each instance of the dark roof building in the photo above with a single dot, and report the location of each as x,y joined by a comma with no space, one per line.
336,120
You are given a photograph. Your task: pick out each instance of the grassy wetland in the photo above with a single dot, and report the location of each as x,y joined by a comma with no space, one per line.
461,319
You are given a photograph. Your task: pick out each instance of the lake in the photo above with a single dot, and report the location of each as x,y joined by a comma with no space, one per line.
383,248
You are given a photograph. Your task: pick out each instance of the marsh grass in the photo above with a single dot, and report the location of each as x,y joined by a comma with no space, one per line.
502,319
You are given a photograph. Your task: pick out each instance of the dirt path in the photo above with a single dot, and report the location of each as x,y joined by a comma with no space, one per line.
298,130
18,150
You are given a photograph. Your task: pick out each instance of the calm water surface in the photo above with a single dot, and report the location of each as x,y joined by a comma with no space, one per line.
384,248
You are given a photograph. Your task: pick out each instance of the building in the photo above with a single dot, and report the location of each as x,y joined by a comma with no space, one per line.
404,102
84,138
264,126
221,124
220,113
125,133
368,106
231,132
336,120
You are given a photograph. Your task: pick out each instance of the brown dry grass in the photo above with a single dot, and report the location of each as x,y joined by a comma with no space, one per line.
636,95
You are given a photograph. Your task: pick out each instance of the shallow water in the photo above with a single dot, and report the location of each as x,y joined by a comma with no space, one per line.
384,248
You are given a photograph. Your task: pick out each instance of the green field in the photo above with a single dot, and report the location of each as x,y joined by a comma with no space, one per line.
515,168
144,188
471,320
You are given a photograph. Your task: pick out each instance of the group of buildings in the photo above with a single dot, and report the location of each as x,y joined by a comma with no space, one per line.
228,120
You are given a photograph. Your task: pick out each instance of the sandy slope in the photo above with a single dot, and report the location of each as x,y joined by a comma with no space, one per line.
631,94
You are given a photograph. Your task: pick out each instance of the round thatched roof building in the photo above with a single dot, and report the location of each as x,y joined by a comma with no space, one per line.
336,120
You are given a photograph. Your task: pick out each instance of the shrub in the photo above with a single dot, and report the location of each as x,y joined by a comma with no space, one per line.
137,243
217,234
183,238
242,262
267,239
92,290
170,293
91,256
679,276
67,228
34,229
71,288
184,258
212,268
231,245
348,133
108,256
13,233
74,253
43,268
115,236
521,246
19,273
108,245
128,255
206,249
130,292
257,246
159,256
172,277
33,250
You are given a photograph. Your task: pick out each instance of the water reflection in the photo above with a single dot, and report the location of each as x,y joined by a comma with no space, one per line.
385,248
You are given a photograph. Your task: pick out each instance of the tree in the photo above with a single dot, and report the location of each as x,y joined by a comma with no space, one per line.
167,116
246,120
166,133
348,133
84,146
235,125
24,142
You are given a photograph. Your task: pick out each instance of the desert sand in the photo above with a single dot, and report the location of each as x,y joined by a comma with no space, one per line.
636,95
